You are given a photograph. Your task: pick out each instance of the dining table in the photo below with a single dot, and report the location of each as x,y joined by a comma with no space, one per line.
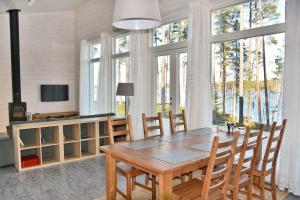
164,157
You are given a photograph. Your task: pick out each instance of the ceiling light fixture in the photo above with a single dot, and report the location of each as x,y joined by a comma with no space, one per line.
31,2
136,14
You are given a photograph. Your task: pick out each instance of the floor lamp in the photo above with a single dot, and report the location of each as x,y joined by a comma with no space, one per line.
127,90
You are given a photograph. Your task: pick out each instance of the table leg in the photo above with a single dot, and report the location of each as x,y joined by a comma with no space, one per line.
165,186
110,177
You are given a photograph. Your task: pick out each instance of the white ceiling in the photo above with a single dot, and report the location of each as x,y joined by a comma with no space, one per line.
40,6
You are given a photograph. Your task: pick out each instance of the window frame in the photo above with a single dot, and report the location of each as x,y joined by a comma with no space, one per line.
114,57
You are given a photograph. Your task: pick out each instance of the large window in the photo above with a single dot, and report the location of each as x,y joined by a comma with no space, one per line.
94,69
247,55
121,63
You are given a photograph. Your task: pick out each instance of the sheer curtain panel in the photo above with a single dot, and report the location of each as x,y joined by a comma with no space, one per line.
105,89
84,96
288,175
198,100
140,75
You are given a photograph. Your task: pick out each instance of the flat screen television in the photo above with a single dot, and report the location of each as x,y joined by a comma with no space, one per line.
52,93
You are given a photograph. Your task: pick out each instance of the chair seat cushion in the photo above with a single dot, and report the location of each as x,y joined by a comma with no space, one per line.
126,169
192,190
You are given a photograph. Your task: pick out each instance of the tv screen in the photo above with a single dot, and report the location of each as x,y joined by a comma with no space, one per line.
51,93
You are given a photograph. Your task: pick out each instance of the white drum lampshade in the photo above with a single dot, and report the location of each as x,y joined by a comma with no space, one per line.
136,14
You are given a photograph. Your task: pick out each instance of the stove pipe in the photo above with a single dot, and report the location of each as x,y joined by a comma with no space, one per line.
15,54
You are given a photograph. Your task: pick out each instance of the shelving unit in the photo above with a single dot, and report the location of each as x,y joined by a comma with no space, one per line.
57,142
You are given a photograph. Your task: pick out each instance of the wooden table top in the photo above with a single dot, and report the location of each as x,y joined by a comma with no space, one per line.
143,159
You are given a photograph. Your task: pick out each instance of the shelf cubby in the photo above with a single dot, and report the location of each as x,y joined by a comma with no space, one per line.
30,138
71,133
50,136
50,155
88,148
104,140
87,131
103,134
71,151
31,152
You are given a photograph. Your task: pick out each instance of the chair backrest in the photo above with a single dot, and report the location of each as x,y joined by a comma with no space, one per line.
112,124
219,167
247,161
152,128
273,146
177,120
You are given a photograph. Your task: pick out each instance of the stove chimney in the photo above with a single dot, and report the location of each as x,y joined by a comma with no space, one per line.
17,109
15,54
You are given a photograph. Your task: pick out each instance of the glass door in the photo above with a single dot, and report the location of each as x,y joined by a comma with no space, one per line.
163,84
170,77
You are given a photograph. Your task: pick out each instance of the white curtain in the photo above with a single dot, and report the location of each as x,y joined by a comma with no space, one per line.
140,75
84,96
105,89
198,100
288,175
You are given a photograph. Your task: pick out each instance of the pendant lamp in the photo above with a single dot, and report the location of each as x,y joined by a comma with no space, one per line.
136,14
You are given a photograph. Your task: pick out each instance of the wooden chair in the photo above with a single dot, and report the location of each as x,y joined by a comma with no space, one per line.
177,120
268,165
130,173
214,183
242,173
152,128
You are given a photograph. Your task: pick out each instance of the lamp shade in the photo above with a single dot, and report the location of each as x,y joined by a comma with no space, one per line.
125,89
136,14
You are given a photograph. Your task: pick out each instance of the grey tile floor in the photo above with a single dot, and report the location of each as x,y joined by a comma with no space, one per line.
83,180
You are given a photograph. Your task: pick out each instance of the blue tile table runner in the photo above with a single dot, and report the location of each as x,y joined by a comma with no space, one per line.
176,137
142,144
202,131
178,156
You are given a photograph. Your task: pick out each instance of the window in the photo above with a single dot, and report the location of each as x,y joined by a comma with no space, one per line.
247,67
121,64
252,14
94,69
170,33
